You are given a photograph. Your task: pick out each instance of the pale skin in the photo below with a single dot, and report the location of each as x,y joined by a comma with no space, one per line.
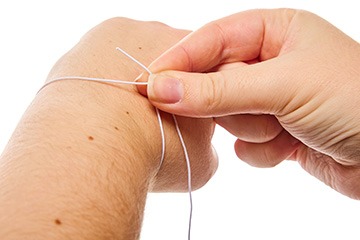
84,155
285,82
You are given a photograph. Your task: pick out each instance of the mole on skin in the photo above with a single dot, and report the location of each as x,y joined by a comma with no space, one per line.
140,48
57,222
91,138
127,112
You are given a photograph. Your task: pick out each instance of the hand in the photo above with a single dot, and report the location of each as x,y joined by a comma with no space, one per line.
285,82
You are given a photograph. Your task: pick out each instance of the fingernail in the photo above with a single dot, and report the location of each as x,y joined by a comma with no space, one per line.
164,89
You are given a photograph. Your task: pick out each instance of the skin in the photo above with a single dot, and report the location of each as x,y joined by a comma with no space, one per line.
284,81
84,155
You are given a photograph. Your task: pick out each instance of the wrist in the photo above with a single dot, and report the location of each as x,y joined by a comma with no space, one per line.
75,133
114,118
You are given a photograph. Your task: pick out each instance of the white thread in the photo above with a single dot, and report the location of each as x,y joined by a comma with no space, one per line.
132,58
162,138
189,170
181,140
92,79
159,119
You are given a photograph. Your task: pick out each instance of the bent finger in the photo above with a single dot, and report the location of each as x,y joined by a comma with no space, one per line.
251,128
267,154
237,38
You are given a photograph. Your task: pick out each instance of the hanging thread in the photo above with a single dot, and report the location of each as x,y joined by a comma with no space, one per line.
158,116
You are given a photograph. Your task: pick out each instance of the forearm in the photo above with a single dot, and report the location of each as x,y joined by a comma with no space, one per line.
57,177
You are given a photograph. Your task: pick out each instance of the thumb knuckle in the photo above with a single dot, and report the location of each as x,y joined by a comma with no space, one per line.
212,91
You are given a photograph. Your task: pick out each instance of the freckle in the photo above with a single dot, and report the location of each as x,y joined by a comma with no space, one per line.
68,147
91,138
116,128
140,48
57,222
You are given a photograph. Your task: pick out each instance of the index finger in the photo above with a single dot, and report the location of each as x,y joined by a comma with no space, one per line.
242,37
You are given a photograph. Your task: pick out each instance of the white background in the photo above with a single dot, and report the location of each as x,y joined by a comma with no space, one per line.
240,202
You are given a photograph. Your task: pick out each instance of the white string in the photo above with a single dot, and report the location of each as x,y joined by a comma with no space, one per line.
181,140
132,58
189,170
158,116
162,138
92,79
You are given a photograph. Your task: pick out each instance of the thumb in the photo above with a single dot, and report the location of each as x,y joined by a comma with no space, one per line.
257,88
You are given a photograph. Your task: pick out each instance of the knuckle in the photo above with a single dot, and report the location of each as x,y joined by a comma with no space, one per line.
271,128
111,26
119,21
115,21
212,92
159,24
269,160
267,132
